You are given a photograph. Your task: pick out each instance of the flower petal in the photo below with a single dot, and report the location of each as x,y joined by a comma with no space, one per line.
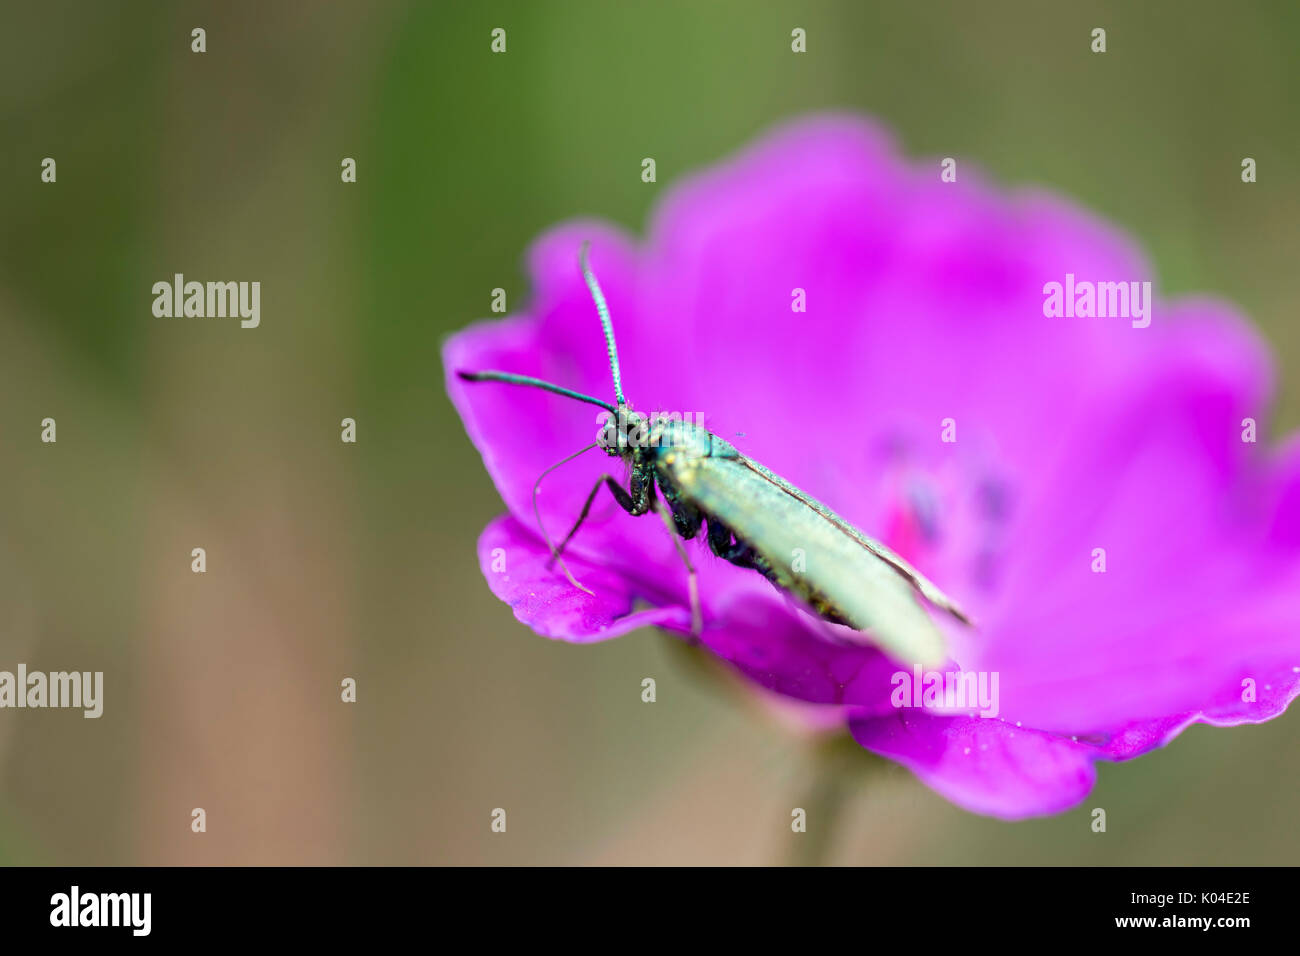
515,563
985,765
844,309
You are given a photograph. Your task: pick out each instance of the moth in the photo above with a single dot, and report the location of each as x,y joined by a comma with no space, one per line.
697,481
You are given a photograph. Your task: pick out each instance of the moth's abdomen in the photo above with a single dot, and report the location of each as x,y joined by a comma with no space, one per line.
802,552
724,542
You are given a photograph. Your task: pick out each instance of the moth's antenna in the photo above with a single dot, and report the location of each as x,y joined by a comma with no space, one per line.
599,298
512,379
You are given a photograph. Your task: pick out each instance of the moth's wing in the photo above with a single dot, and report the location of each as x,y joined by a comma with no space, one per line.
928,589
868,591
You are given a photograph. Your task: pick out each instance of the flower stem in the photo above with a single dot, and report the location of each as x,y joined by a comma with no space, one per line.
838,766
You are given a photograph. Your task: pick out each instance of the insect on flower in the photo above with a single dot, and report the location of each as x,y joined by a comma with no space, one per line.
755,519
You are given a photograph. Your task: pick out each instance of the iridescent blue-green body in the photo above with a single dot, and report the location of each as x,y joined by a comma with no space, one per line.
754,519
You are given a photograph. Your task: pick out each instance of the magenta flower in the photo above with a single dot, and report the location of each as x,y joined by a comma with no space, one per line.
1088,488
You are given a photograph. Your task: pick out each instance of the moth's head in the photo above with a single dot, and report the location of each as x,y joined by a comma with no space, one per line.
624,432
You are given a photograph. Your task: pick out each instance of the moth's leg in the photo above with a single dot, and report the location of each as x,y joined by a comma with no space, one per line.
748,559
740,553
722,544
697,616
636,502
625,502
686,516
641,485
620,495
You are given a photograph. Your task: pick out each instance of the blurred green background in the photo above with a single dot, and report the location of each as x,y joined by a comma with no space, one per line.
328,560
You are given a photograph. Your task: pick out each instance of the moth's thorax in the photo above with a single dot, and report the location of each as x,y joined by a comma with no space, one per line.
682,444
674,436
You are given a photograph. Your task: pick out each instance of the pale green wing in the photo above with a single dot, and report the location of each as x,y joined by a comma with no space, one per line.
919,581
875,593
